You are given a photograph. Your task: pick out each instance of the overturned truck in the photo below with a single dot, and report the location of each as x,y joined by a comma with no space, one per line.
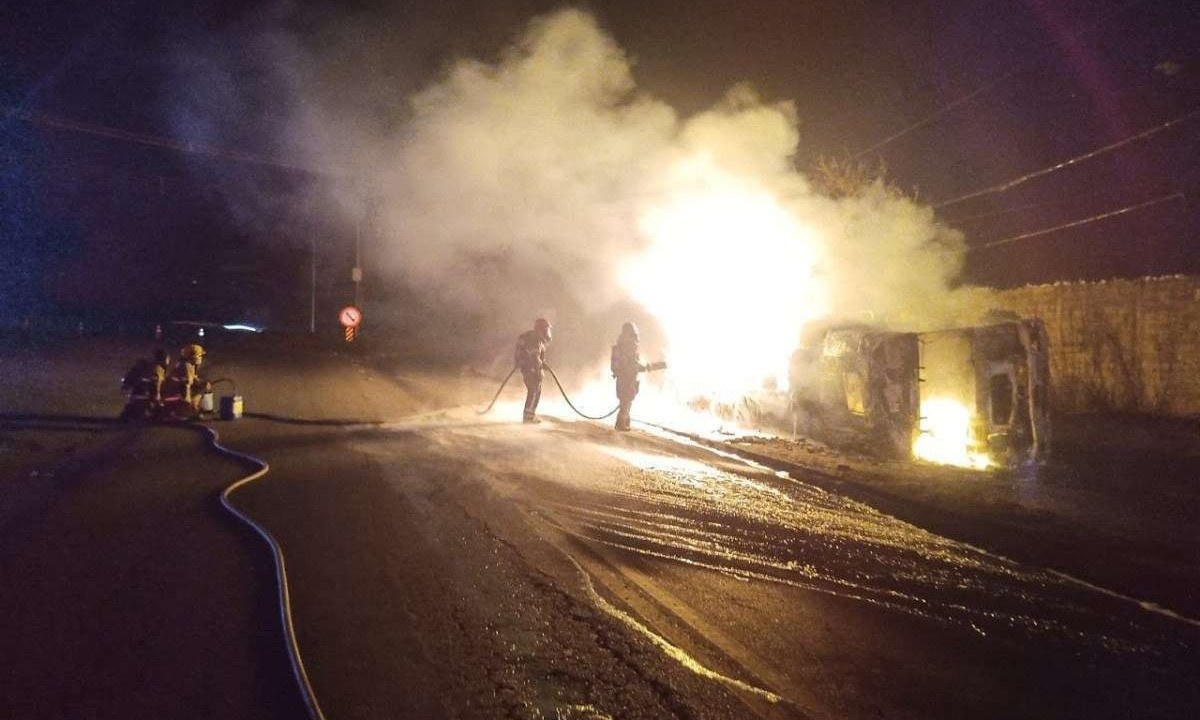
973,396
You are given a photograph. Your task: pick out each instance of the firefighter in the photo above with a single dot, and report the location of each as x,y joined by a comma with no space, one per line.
183,388
144,383
626,365
530,358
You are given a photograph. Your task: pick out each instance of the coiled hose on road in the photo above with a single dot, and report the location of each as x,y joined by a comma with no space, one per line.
566,397
285,604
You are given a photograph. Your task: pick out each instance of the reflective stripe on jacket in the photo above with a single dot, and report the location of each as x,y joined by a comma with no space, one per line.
180,384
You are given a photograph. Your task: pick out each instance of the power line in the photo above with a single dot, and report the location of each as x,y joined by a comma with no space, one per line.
1009,211
1145,187
64,166
159,141
932,116
1034,64
1076,223
1001,187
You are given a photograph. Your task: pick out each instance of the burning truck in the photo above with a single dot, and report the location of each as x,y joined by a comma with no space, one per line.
974,396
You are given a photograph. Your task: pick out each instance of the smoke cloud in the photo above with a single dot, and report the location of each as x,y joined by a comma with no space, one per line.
531,183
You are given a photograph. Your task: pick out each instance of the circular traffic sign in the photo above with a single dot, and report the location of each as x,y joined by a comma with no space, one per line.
350,316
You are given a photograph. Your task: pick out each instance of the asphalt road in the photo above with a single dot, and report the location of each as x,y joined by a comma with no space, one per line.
127,593
448,565
458,568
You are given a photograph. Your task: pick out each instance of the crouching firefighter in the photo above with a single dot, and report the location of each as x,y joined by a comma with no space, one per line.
183,388
530,358
144,383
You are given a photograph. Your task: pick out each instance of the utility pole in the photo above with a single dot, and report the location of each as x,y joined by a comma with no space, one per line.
312,305
356,273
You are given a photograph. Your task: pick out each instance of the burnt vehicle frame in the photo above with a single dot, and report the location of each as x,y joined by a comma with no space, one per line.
862,386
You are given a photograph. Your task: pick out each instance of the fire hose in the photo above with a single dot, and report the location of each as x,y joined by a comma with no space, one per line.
232,384
284,594
648,368
499,390
578,412
281,581
566,397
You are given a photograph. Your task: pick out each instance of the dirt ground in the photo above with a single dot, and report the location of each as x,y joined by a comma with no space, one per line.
1117,504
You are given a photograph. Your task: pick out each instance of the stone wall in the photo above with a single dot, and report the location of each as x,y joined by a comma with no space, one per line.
1120,344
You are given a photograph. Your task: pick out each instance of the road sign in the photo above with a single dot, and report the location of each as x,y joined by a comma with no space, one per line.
350,333
350,316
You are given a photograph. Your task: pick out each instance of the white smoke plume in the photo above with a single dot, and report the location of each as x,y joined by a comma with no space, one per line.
546,182
525,175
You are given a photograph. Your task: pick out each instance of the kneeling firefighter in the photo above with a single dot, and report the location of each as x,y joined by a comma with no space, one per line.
183,388
530,357
144,383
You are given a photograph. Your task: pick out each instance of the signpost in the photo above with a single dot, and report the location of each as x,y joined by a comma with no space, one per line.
351,318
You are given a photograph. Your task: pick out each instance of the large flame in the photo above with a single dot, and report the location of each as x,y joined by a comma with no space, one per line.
729,276
946,435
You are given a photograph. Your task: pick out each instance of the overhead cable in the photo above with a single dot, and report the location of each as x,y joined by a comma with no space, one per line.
1067,163
1006,211
1031,63
1076,223
159,141
932,116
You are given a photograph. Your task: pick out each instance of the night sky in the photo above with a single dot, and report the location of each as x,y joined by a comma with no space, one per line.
104,226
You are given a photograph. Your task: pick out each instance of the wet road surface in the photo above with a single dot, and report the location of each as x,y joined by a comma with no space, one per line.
126,592
782,599
463,567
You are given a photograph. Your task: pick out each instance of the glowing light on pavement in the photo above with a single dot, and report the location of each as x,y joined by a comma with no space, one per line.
667,463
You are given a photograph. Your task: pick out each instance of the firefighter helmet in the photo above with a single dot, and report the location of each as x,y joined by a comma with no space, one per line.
193,353
629,329
542,327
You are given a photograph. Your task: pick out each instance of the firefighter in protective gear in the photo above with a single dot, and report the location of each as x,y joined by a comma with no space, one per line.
530,358
183,388
626,365
144,383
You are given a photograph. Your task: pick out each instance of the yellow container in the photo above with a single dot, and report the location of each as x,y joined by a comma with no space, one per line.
231,407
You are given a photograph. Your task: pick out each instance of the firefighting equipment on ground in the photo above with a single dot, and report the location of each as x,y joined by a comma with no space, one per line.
159,391
281,576
232,406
